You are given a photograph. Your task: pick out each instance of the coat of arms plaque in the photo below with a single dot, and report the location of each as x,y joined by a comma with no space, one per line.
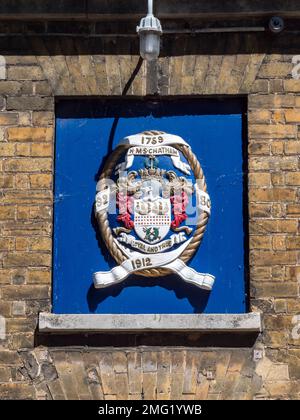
152,209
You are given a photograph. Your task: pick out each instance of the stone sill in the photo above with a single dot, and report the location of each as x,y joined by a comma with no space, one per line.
97,323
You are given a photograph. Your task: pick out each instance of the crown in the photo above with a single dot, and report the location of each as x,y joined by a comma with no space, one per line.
151,169
154,173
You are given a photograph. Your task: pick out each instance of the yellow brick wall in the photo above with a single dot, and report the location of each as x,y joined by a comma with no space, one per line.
236,65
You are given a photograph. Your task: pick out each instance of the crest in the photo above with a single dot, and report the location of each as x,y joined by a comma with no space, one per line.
152,219
152,209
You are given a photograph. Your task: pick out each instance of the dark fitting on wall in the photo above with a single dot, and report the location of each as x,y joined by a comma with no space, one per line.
276,24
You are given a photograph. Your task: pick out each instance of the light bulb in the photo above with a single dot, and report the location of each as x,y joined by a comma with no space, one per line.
149,45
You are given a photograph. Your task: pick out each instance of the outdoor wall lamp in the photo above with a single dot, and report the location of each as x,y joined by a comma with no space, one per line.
149,32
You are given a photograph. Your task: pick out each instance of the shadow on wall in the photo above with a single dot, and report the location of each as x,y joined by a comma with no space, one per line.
197,297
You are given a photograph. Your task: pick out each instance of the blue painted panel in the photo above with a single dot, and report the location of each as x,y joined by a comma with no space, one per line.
86,133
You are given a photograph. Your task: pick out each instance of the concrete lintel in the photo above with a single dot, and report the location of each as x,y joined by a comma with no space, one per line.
93,323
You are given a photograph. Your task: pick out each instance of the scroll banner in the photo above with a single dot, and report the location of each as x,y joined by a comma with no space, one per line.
137,261
176,238
102,200
142,140
203,200
138,148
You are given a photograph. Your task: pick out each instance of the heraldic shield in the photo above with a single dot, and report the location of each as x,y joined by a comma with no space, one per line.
152,209
152,213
